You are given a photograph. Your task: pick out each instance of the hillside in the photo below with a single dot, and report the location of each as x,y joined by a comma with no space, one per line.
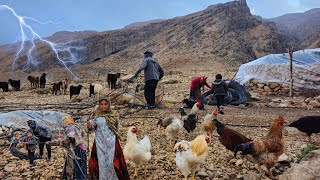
223,35
304,27
140,24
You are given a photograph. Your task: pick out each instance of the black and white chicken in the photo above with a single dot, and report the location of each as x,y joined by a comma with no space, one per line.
190,120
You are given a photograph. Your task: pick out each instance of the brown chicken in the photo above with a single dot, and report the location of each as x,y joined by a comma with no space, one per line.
228,137
266,150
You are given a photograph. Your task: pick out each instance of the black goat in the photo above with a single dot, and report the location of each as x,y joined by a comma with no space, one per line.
4,86
15,84
112,80
75,90
43,80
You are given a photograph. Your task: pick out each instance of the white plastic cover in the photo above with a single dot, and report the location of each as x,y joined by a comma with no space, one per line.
19,118
276,68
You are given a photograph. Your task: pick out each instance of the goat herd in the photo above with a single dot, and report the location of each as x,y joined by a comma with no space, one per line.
61,86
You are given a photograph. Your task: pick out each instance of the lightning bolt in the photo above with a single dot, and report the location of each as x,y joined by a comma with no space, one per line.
58,49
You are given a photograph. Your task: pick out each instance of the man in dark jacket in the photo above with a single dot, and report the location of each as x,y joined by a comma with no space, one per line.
43,80
153,72
219,89
44,134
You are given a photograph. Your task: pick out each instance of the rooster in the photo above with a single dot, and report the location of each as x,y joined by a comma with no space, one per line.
228,137
166,121
266,150
138,152
190,120
190,155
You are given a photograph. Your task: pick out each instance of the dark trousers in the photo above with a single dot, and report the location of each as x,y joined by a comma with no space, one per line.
220,99
150,91
43,141
31,156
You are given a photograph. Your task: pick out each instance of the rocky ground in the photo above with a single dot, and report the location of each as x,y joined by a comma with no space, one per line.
219,163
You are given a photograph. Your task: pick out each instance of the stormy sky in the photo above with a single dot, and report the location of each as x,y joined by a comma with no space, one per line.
101,15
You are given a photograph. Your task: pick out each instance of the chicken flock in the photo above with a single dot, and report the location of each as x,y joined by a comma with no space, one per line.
189,155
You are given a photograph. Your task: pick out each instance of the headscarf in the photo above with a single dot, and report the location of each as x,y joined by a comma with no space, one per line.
111,117
68,120
109,103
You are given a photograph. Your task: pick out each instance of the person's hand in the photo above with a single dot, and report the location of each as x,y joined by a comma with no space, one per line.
133,78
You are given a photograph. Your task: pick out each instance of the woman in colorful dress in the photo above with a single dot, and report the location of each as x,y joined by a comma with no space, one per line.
76,160
107,160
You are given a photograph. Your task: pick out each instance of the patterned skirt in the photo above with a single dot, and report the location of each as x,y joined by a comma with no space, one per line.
118,162
76,169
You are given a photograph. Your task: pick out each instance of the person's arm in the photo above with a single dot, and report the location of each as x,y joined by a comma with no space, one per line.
206,84
45,129
91,124
33,140
204,95
142,67
225,86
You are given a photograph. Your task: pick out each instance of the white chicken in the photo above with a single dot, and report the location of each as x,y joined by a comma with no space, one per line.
137,152
173,129
190,155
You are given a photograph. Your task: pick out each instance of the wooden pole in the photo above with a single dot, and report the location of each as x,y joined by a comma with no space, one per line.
290,51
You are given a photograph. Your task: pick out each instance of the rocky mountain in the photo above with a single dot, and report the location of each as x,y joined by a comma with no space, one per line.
222,35
140,24
304,27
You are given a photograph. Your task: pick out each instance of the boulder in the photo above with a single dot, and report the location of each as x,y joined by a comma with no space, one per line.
314,104
267,88
260,85
273,85
309,168
307,100
10,167
251,176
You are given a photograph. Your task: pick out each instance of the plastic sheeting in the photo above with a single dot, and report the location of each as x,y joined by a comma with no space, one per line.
19,118
275,68
236,95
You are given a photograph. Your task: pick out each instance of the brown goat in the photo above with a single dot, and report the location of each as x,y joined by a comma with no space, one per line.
56,87
34,81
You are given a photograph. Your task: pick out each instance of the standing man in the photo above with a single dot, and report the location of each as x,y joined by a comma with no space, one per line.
43,80
44,135
153,72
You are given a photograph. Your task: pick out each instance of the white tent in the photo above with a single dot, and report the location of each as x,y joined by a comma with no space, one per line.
275,68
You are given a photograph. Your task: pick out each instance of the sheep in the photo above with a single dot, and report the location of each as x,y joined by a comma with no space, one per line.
43,80
75,90
15,84
95,89
56,87
4,86
112,80
34,81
